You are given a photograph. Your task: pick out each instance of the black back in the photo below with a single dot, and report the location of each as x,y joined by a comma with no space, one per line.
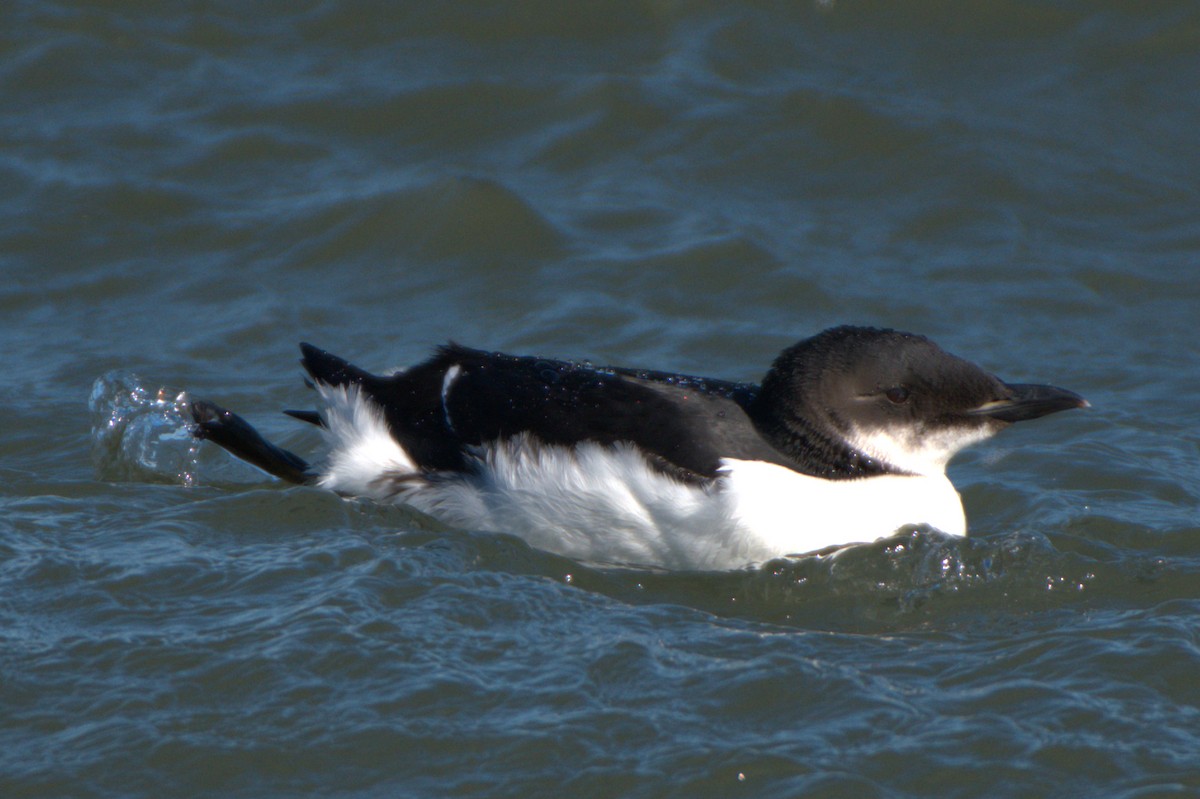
684,424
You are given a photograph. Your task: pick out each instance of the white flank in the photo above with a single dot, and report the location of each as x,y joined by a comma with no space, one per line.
363,453
595,503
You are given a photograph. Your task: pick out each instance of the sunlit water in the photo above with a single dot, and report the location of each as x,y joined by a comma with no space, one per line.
187,192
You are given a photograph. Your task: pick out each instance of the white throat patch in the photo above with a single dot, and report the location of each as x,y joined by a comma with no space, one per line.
924,454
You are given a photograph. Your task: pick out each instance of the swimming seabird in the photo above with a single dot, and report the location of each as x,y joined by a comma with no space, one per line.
845,440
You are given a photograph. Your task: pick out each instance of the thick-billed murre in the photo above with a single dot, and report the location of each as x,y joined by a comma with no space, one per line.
846,440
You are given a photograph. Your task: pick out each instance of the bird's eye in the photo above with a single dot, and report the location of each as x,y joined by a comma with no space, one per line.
897,395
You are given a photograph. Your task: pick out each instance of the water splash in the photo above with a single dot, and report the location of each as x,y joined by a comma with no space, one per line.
143,433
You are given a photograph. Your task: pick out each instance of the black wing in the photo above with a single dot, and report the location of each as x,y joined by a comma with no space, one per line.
685,424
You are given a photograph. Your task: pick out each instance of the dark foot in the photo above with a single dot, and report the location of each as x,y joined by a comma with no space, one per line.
235,435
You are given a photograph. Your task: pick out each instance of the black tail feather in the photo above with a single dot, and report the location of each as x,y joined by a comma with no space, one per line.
331,370
235,435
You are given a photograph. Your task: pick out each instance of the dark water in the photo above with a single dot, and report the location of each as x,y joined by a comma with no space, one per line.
186,190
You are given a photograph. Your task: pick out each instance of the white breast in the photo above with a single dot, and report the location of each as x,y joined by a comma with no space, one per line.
793,513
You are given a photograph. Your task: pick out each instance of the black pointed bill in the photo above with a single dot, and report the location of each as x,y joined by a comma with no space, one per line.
1030,401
